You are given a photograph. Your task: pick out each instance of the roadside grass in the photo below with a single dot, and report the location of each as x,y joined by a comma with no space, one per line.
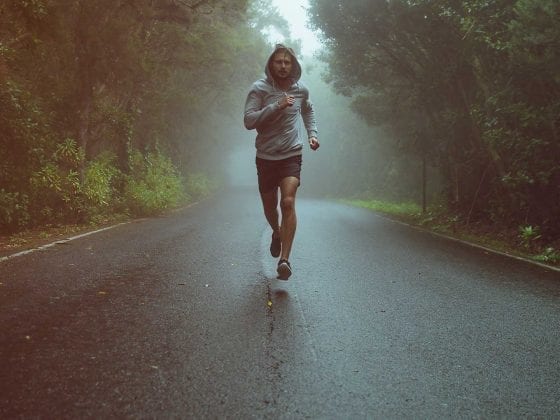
438,220
405,210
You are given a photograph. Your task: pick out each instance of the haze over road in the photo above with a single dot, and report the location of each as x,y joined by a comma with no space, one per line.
170,318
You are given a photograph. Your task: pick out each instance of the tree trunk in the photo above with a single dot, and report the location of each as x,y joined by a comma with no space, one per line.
424,183
85,64
486,149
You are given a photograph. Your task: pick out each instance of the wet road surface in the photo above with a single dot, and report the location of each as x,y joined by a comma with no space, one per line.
181,317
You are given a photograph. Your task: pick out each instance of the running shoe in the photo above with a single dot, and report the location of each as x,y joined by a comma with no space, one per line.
275,246
284,270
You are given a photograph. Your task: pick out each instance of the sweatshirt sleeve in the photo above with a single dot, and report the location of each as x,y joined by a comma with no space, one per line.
255,114
308,115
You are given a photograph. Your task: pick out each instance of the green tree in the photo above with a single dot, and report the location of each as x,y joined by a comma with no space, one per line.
469,84
106,79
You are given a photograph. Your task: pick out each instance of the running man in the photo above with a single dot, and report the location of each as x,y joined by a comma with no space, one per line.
273,107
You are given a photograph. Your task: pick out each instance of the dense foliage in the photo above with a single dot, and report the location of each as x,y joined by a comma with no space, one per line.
472,86
110,105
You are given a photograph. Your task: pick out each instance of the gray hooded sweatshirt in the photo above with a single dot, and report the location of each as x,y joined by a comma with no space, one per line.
278,129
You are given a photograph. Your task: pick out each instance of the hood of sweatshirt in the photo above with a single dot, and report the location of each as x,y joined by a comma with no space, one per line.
296,67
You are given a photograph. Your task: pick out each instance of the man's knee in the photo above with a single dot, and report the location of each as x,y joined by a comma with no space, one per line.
288,203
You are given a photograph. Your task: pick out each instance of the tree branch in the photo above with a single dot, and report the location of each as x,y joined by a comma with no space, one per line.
195,5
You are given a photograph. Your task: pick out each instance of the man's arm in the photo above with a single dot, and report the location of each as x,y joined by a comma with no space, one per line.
255,115
308,115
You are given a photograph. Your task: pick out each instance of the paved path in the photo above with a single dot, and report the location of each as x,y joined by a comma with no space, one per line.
181,317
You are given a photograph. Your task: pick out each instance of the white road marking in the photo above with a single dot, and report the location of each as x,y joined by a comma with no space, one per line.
58,242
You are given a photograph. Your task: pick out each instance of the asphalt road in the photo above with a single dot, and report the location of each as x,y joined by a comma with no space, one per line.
181,317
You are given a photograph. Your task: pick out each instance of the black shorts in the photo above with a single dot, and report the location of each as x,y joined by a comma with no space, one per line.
272,172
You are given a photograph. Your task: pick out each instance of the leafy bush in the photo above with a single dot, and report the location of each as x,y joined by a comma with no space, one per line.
549,256
528,235
153,184
99,183
14,212
198,185
56,189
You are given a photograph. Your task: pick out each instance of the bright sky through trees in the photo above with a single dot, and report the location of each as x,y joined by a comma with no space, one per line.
294,11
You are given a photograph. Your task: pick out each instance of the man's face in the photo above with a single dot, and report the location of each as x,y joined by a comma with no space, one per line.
281,65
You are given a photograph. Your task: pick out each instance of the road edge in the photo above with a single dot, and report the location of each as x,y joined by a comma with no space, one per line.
81,235
471,244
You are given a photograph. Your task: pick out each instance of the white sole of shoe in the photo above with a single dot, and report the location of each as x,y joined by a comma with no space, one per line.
284,271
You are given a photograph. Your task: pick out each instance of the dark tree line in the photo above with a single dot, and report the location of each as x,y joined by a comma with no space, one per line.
472,86
113,105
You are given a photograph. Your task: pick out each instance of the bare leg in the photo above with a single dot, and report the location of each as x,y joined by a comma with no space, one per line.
270,206
288,189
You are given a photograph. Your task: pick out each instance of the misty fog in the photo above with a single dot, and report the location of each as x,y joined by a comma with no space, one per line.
354,160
